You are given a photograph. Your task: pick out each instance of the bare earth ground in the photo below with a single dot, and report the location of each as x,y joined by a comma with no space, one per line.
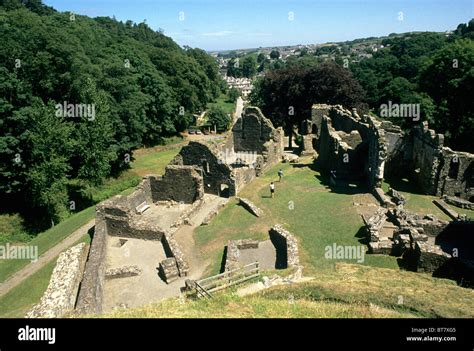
49,255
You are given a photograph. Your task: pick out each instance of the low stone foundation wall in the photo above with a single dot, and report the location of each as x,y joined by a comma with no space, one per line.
169,270
383,199
250,206
458,202
173,249
284,240
429,258
122,272
59,298
446,209
233,252
90,296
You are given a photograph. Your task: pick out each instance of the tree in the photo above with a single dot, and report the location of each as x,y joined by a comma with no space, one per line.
249,66
143,85
449,80
216,116
274,54
233,94
261,57
234,68
45,157
286,95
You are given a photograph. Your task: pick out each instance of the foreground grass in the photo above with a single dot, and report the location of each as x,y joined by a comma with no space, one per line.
18,301
317,216
405,292
349,291
232,306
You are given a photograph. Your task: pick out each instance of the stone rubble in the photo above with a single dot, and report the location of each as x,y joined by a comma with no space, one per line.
122,272
59,298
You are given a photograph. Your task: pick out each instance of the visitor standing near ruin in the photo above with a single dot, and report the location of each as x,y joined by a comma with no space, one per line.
280,175
272,189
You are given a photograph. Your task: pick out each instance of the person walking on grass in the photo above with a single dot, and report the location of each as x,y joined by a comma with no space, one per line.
272,189
280,175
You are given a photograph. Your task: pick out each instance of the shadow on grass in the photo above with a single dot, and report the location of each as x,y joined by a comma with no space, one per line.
341,186
404,184
361,235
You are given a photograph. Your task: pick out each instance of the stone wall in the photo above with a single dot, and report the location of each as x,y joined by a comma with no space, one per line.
438,169
426,157
91,291
173,249
216,174
254,133
456,174
179,183
285,242
233,252
356,148
59,298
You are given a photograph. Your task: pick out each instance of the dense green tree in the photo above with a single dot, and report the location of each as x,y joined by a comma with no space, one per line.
216,116
286,95
275,54
233,94
249,66
143,86
449,80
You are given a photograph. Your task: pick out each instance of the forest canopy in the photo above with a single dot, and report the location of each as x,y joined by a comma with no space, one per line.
141,84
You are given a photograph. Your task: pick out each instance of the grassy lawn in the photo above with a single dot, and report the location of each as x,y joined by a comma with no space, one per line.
146,161
347,291
314,214
222,102
405,292
18,301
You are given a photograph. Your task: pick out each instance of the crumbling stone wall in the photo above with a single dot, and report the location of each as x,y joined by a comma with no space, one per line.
233,252
215,172
173,249
456,174
354,148
426,157
91,291
59,298
285,242
183,184
438,169
254,133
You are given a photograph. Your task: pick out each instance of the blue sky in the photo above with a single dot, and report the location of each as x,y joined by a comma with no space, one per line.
234,24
